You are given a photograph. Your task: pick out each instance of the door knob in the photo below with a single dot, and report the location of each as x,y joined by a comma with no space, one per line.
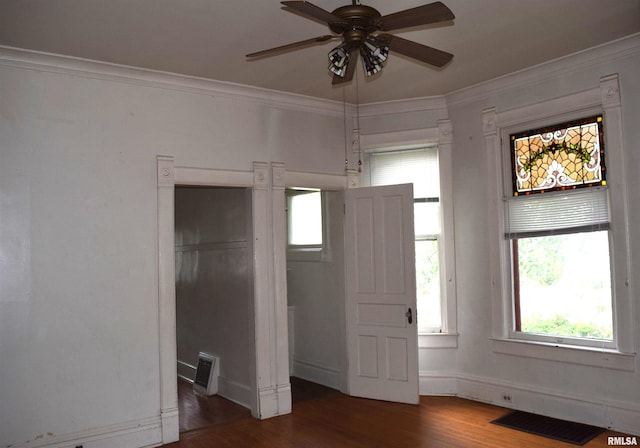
409,315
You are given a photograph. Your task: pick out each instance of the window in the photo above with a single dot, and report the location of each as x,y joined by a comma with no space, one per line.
557,222
558,246
306,237
420,167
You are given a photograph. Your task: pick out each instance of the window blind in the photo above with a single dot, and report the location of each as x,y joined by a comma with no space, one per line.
556,213
419,166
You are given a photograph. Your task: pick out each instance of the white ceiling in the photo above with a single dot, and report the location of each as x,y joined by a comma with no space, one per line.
209,38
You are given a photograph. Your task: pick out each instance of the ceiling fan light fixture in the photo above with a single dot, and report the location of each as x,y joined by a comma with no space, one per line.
339,60
377,50
373,56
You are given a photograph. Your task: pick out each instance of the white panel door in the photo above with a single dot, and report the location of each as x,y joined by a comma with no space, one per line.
382,337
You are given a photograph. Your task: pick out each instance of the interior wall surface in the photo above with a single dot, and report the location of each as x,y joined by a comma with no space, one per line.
315,291
214,288
79,259
603,395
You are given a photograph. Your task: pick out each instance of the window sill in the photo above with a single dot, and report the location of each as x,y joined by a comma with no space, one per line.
438,340
586,356
307,254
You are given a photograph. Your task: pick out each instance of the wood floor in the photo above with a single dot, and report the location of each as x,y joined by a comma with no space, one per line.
324,418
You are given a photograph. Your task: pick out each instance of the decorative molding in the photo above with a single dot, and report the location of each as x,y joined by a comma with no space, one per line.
233,391
186,371
91,69
610,91
308,179
140,432
606,53
278,175
602,358
400,139
165,171
403,106
437,340
280,358
557,109
353,179
356,141
170,425
167,301
268,399
283,392
445,132
260,175
489,121
213,177
317,373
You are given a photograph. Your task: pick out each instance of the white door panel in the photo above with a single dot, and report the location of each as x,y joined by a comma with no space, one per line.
380,287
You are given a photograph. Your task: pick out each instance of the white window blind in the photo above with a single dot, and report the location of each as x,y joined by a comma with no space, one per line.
556,213
419,166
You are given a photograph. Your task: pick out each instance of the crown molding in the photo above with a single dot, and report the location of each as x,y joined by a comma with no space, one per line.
403,106
623,48
91,69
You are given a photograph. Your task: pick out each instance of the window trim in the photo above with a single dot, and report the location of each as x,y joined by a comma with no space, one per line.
442,136
496,128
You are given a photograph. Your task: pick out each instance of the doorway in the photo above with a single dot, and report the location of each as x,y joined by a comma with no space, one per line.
315,287
214,300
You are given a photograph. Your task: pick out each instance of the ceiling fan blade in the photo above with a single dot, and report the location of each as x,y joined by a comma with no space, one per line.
313,11
292,46
351,69
421,15
415,50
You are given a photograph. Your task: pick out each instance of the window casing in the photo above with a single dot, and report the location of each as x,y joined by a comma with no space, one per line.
497,128
442,138
420,167
560,264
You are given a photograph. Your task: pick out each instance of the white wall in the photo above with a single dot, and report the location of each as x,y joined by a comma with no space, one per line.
597,395
78,219
214,286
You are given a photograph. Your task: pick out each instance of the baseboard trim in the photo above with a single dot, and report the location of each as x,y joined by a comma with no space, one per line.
618,416
186,371
234,391
316,373
141,433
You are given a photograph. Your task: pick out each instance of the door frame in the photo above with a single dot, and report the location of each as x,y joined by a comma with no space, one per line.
272,391
284,179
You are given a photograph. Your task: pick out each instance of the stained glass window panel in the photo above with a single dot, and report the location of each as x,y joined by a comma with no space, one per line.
565,156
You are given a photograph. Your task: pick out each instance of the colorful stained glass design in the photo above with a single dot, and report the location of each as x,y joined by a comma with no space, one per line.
566,156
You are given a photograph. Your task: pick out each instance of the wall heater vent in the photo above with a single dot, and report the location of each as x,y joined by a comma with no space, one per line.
207,374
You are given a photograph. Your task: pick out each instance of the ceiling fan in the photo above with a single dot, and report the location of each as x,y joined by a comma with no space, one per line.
363,30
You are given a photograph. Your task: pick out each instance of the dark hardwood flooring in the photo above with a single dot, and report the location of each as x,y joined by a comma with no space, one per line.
323,417
198,412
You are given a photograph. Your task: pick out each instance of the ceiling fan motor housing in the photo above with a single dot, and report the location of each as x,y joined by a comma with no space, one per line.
358,21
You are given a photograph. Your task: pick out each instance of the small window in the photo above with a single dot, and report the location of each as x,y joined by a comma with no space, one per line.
559,233
305,217
306,235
